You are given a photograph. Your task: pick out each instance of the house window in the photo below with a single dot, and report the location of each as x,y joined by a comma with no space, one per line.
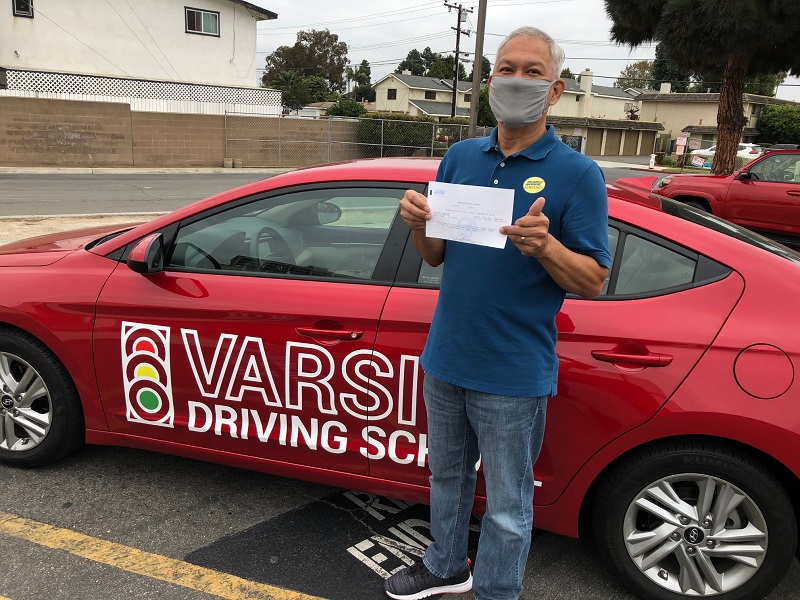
23,8
430,95
467,98
391,94
203,22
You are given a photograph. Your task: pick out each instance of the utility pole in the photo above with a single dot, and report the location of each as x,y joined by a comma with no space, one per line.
462,16
477,70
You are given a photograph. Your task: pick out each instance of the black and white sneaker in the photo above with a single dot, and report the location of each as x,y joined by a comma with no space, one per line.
416,582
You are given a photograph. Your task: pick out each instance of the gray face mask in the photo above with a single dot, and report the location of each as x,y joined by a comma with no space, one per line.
518,101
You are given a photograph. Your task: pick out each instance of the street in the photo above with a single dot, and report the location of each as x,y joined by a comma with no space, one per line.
49,193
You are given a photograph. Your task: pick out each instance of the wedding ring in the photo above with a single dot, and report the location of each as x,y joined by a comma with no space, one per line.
522,239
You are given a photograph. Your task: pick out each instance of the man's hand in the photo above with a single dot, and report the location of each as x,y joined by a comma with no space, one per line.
415,210
530,233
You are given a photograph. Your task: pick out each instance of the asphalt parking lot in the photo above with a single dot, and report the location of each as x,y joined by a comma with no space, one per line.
114,524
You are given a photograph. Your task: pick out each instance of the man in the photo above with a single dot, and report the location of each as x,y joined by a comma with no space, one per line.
490,363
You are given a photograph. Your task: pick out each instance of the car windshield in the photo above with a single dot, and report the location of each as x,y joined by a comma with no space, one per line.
700,217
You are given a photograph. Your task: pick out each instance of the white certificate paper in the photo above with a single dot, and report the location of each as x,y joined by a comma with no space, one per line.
469,213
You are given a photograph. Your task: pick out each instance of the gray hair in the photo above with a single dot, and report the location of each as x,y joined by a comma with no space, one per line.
557,56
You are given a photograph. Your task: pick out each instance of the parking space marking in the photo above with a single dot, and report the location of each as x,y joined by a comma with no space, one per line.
153,566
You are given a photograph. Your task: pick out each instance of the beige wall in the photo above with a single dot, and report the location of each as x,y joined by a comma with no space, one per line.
674,116
177,140
68,133
64,133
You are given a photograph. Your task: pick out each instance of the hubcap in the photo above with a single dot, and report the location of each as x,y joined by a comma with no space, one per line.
26,405
695,535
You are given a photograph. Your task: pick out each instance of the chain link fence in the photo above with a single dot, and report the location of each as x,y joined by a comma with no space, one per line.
291,142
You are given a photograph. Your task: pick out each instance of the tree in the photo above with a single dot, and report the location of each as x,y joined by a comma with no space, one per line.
761,85
635,75
413,62
764,85
780,124
294,87
361,75
429,57
736,38
486,117
346,107
317,89
566,74
486,70
314,53
664,71
444,68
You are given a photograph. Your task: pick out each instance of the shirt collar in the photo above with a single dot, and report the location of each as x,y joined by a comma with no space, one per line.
536,151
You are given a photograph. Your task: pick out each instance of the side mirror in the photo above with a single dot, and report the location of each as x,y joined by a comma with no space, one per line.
147,256
743,175
328,212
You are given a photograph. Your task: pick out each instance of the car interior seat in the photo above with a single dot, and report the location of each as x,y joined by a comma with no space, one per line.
797,171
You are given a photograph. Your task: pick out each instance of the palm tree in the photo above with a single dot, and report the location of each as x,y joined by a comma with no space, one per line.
721,40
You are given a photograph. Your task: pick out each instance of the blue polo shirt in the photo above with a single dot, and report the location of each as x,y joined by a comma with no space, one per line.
494,327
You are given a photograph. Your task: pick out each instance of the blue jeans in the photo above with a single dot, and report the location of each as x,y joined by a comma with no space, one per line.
505,433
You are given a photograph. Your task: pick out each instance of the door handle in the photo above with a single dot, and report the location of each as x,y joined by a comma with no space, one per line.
335,334
793,193
647,360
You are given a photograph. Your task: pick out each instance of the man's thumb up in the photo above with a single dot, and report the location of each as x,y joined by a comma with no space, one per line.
536,207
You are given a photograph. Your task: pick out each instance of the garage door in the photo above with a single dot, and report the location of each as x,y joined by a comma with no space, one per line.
594,142
631,141
648,139
613,142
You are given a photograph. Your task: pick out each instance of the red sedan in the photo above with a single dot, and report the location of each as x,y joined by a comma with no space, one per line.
278,327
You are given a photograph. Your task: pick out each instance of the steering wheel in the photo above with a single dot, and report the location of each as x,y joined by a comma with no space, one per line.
279,249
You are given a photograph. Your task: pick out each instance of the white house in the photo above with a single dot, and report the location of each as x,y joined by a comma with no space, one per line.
163,51
417,95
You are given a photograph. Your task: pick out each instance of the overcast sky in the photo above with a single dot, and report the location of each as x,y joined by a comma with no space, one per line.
384,31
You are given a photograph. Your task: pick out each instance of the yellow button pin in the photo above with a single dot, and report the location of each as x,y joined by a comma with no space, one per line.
533,185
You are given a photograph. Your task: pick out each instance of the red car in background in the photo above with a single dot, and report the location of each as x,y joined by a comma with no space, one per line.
278,327
763,196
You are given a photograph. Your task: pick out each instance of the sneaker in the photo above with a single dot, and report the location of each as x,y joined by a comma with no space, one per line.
417,582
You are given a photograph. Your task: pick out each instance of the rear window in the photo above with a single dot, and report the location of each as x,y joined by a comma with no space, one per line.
683,211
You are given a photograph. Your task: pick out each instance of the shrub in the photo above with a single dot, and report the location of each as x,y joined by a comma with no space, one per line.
660,157
667,161
400,134
346,107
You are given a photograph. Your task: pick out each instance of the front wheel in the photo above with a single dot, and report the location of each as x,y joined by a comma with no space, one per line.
695,519
41,418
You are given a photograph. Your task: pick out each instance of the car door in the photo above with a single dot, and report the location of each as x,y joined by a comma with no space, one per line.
253,340
621,355
769,199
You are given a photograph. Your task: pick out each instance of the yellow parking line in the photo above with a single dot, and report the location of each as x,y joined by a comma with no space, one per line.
143,563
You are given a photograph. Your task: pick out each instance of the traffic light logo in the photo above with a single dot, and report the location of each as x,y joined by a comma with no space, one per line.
146,369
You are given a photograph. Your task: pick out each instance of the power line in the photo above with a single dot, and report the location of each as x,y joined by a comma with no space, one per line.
379,15
76,38
158,62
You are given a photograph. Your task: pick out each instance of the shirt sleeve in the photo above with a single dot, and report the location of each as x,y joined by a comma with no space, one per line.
584,227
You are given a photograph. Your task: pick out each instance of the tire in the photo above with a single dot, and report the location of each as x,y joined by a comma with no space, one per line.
650,527
41,418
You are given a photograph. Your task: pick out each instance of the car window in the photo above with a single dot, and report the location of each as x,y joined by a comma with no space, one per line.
646,267
777,168
649,267
337,233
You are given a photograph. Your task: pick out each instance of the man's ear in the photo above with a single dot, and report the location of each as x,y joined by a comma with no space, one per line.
556,90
